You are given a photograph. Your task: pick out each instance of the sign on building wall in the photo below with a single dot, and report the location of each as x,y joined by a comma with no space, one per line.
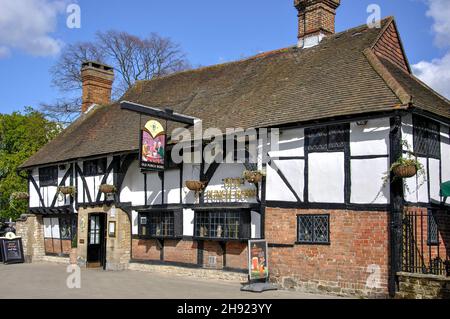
258,263
153,146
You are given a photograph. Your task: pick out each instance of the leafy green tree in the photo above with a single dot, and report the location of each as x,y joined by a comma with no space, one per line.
21,135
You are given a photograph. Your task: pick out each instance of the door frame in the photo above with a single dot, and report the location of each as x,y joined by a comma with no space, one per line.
103,239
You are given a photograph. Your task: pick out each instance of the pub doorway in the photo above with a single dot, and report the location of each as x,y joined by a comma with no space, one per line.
96,250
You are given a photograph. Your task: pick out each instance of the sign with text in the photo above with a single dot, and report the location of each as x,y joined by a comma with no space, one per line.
258,259
153,146
11,251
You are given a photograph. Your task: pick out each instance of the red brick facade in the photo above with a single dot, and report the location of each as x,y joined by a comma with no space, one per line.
315,17
358,245
97,84
187,252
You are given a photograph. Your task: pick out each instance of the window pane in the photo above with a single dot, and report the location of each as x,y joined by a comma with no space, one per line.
305,229
420,136
223,224
317,139
337,137
313,229
433,233
434,145
321,229
48,176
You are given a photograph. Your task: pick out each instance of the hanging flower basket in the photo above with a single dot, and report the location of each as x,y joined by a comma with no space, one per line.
196,186
107,189
253,177
20,196
67,190
405,171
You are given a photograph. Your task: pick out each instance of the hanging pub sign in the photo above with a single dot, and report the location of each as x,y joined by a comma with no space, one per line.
153,146
258,261
11,250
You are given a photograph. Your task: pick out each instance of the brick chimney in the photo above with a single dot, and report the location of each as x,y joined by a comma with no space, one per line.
316,20
97,80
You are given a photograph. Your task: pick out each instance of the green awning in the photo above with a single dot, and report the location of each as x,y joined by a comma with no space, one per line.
445,189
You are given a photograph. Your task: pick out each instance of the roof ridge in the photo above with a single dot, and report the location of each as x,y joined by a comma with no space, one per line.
401,93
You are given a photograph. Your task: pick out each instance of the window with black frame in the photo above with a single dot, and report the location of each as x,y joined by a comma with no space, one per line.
94,167
157,224
330,138
433,231
222,225
426,138
313,229
48,176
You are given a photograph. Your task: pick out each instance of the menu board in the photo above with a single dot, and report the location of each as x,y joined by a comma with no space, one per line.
258,263
11,251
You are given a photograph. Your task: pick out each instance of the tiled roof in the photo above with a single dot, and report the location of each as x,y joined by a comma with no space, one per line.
290,85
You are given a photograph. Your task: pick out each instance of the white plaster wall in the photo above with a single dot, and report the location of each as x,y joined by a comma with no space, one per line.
407,131
326,178
294,172
445,153
229,171
367,181
256,225
276,188
188,222
422,190
411,195
172,187
133,186
292,144
371,139
134,223
435,181
55,228
34,195
154,189
47,227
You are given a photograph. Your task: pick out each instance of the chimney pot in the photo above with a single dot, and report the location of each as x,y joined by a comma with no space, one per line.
316,20
97,79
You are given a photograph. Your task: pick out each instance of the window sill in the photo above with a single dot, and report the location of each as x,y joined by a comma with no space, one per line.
312,244
221,239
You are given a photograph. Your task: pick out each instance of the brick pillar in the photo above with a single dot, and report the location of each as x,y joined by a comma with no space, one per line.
31,229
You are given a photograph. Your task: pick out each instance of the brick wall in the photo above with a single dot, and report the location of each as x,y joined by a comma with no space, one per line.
186,252
315,18
388,47
359,247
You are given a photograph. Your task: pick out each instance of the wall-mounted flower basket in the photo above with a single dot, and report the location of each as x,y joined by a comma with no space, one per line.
196,186
107,189
404,170
253,177
20,196
67,190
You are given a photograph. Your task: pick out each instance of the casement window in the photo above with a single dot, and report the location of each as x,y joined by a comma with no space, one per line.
433,232
427,141
48,176
94,167
227,225
313,229
59,233
164,224
328,139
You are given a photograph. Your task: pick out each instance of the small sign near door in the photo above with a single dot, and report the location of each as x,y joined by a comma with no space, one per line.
112,229
258,259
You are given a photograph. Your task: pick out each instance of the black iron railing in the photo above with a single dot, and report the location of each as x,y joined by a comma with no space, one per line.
426,235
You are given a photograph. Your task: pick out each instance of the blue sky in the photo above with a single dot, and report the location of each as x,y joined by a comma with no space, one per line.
210,32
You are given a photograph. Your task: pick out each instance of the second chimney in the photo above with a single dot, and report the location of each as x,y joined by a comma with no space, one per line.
316,19
97,82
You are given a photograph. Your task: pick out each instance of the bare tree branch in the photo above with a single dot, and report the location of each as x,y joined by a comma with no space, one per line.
133,59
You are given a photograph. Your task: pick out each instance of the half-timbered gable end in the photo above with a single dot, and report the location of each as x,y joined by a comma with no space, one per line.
332,115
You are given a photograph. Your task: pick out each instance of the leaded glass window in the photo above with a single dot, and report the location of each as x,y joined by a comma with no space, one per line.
314,229
426,138
157,224
329,138
223,224
48,176
94,167
433,232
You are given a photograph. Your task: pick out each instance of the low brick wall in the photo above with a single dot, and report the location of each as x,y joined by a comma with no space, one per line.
418,286
191,272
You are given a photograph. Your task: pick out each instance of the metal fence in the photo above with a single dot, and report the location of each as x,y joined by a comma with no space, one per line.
426,242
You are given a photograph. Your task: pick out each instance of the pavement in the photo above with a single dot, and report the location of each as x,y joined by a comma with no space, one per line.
49,281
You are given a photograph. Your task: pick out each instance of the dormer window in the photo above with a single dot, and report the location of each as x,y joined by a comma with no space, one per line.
94,167
48,176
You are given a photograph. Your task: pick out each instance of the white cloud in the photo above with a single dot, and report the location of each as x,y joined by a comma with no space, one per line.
436,73
4,52
439,11
27,25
